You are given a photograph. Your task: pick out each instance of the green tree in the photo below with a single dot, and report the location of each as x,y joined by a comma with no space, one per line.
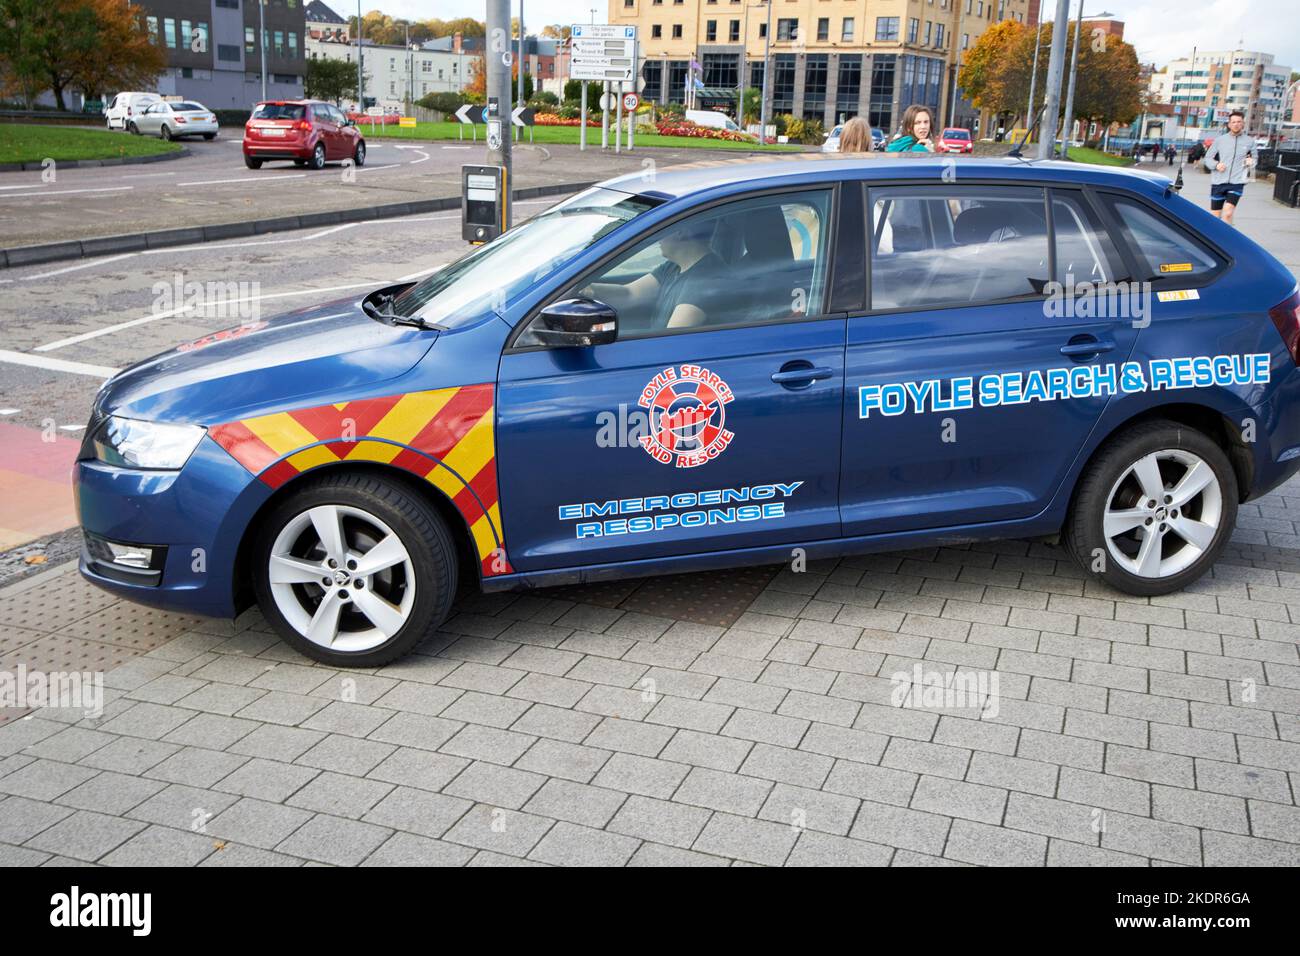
332,80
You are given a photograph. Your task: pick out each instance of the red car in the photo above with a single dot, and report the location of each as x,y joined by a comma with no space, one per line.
956,140
309,132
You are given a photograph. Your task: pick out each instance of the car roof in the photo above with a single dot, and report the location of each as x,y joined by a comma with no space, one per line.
805,168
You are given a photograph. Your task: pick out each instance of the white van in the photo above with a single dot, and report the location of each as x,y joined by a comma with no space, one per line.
121,112
713,119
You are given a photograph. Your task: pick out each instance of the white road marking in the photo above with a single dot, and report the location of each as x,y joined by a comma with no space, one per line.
71,428
80,265
422,272
243,179
10,411
145,319
57,365
458,147
370,169
42,193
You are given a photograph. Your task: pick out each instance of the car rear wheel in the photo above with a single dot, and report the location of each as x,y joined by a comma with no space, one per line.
166,131
252,163
354,571
317,160
1154,510
209,136
359,156
132,129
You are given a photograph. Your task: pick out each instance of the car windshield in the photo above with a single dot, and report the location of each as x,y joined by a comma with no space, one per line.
494,273
273,111
955,134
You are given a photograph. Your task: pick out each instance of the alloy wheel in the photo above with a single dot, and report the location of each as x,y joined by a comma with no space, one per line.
1163,513
342,578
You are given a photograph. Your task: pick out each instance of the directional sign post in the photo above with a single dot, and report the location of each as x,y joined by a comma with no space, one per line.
605,53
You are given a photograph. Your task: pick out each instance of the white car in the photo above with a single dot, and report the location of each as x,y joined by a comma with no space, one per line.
172,119
125,108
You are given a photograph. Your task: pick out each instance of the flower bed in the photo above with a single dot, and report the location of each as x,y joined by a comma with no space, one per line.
679,127
551,119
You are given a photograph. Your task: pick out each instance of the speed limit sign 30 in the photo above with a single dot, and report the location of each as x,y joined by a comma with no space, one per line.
630,101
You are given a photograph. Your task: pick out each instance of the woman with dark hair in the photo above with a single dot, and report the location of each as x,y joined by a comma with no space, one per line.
918,123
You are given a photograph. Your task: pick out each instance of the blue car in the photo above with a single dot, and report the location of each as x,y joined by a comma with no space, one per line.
728,364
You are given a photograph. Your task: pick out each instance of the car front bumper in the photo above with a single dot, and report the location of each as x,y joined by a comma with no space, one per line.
190,521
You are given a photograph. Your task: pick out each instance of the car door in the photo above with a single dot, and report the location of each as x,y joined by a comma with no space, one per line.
952,415
329,130
151,118
718,435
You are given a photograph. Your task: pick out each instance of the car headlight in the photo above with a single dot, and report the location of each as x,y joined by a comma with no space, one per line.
132,443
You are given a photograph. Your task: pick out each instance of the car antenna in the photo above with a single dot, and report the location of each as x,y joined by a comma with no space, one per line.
1015,150
1177,184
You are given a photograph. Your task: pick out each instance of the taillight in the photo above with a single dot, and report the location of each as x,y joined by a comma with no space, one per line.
302,126
1286,316
180,119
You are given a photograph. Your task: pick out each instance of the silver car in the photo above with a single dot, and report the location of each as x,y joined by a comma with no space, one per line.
172,119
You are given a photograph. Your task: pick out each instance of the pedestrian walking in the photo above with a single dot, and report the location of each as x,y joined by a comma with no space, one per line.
915,138
1229,160
855,137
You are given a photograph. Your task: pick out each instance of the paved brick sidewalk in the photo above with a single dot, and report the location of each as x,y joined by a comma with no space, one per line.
566,728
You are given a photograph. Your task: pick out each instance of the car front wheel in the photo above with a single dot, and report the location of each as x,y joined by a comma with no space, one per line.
1154,509
359,155
354,571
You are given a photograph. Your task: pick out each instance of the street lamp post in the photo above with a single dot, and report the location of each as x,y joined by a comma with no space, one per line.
1055,72
767,75
361,78
1033,79
1074,69
261,31
956,69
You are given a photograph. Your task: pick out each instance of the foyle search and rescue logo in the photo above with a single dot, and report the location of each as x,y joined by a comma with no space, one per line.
687,409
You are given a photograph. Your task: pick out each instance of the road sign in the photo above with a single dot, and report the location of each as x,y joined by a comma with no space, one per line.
406,121
607,101
469,114
630,101
522,116
603,51
374,111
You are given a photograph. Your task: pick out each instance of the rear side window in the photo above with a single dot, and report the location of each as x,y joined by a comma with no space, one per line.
1163,250
953,245
1084,250
282,111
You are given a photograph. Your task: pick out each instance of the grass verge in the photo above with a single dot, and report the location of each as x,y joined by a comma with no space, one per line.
32,143
559,135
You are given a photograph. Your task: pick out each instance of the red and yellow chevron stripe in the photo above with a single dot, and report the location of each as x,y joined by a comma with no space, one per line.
444,436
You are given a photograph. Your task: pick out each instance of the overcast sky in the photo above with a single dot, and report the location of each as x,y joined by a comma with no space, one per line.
1160,29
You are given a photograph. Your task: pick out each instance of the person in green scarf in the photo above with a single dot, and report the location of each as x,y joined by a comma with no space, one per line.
915,138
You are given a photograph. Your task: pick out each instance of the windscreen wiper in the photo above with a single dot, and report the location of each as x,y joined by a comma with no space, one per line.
384,313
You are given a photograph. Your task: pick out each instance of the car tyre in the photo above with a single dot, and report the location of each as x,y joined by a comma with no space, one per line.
1159,482
209,136
331,619
359,155
132,129
166,131
252,163
317,160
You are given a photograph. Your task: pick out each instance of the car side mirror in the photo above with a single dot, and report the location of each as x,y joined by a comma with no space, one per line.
578,322
349,122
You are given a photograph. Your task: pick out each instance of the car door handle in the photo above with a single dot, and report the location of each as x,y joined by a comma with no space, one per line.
802,376
1084,345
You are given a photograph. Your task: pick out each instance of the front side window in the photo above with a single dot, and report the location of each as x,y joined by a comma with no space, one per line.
516,260
1163,250
752,261
947,246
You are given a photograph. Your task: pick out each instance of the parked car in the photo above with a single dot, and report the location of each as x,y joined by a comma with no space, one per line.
878,139
832,142
955,139
567,404
124,109
172,119
308,132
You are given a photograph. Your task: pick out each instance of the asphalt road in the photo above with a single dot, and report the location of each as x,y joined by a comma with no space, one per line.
212,185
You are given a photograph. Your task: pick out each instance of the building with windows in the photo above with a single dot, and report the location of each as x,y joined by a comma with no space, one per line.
1204,88
830,59
214,55
324,24
396,75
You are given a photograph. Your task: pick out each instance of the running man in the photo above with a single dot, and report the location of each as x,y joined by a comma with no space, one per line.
1229,159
